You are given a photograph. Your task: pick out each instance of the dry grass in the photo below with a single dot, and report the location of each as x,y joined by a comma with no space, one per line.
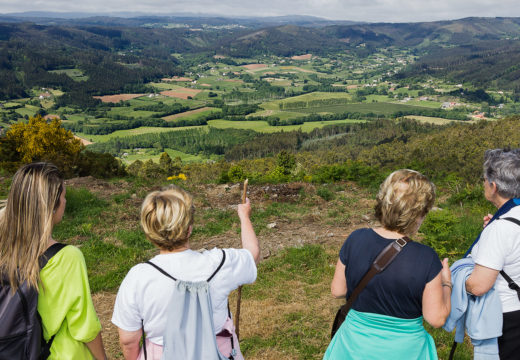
182,93
104,304
176,79
302,57
186,113
254,66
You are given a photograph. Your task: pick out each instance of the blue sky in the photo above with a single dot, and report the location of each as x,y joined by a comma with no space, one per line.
359,10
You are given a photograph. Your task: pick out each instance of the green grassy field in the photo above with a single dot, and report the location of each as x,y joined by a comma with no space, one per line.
263,126
431,120
191,116
145,155
130,112
274,105
376,108
74,74
121,133
29,110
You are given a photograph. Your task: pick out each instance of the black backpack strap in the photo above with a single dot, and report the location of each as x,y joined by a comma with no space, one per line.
512,219
510,283
42,261
452,351
171,277
49,253
144,340
46,348
233,351
161,270
219,266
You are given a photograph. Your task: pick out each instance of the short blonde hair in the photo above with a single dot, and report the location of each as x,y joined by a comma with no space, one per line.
404,197
166,217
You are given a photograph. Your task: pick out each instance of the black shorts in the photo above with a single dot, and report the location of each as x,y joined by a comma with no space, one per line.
509,342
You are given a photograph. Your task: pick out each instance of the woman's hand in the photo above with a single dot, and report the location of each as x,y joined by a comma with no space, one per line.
249,240
244,210
486,219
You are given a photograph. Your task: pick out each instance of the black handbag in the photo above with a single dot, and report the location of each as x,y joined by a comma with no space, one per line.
385,257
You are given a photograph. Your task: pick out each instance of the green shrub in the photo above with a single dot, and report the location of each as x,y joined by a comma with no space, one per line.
236,173
325,194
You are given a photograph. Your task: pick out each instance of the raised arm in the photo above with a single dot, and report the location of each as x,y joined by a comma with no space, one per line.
249,240
436,301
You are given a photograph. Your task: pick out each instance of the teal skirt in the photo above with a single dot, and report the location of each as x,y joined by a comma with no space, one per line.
366,336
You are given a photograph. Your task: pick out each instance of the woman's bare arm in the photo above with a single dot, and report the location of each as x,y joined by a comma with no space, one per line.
338,287
129,341
481,280
436,301
249,239
96,347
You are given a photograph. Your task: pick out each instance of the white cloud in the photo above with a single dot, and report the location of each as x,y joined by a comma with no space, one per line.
362,10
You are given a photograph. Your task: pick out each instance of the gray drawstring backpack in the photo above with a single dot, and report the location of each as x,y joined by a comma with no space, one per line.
189,333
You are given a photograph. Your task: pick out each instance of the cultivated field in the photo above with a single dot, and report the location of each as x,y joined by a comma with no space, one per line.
181,93
253,67
118,98
189,114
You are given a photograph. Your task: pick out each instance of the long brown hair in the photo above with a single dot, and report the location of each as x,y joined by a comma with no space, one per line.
26,222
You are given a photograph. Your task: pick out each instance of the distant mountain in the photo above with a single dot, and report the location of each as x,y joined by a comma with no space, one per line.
292,39
159,20
426,34
457,49
284,40
485,64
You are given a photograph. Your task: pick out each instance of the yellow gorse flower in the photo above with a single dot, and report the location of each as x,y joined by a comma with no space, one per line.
181,176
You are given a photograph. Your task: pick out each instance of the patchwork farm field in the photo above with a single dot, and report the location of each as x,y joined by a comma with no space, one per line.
192,114
264,127
154,155
376,108
131,132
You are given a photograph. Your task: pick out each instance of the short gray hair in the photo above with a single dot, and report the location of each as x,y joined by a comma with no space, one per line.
502,167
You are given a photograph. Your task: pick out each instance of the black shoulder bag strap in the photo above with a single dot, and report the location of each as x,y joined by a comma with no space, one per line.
385,257
512,285
42,261
174,279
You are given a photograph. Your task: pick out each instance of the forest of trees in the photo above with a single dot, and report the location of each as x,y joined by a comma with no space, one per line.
465,63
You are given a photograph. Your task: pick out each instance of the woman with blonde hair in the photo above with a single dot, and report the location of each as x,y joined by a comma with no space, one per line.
142,303
35,203
386,319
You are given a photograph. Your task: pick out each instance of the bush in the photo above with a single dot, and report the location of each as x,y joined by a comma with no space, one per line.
236,173
99,165
325,194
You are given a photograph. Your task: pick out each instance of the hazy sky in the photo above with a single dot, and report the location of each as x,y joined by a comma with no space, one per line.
360,10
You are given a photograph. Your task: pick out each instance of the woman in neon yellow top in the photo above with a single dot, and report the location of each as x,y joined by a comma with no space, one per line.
36,202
